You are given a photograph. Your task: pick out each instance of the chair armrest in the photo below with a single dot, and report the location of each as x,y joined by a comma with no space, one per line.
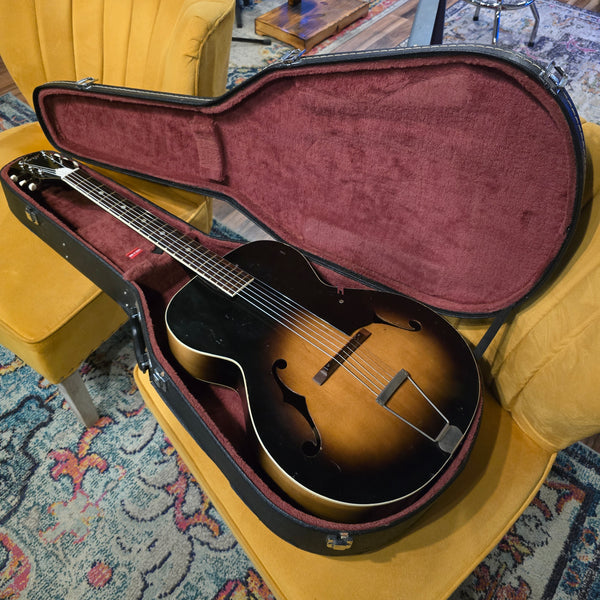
180,46
197,51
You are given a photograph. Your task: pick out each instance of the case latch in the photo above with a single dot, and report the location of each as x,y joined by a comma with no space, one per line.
555,76
86,82
341,540
159,379
32,215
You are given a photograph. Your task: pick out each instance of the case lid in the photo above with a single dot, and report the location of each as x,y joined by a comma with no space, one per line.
450,174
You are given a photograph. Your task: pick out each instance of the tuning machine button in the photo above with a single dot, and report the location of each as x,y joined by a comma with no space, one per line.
64,161
32,186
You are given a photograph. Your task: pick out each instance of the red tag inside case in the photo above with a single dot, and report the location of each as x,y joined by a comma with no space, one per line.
134,253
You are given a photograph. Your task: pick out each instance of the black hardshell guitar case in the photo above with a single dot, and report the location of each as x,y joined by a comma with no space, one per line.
452,175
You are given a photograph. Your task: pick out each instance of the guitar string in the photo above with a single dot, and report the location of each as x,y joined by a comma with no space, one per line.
179,253
127,208
179,237
358,357
277,305
225,272
165,229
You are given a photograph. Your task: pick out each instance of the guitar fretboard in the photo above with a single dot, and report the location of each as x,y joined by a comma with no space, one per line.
213,268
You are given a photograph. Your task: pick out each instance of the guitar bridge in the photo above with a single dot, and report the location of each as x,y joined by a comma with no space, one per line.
332,365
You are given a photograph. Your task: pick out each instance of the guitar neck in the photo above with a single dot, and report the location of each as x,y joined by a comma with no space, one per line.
211,267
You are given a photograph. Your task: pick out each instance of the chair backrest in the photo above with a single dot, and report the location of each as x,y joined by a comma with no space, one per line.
148,44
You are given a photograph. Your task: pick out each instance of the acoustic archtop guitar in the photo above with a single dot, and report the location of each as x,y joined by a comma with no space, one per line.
358,399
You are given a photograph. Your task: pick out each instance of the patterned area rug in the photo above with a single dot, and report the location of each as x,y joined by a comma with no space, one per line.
107,512
13,112
567,35
115,511
553,550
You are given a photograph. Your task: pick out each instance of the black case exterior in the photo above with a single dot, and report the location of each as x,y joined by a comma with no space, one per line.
336,539
321,540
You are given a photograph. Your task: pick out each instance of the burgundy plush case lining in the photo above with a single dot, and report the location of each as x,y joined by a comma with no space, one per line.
452,179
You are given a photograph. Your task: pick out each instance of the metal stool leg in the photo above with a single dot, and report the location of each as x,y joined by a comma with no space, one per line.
497,13
536,18
498,6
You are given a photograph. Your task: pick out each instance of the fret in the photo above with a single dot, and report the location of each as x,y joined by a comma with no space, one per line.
214,269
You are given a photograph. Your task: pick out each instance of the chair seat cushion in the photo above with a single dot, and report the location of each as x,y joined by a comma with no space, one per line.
499,481
51,316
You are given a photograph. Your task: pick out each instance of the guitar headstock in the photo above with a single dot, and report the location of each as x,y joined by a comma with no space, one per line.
43,165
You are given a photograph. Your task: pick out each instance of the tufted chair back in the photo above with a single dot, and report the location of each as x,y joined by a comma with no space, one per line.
51,316
150,44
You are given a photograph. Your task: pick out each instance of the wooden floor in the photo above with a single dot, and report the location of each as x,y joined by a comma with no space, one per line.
387,32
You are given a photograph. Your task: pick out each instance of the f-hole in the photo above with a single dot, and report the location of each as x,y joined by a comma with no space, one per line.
415,325
310,448
410,325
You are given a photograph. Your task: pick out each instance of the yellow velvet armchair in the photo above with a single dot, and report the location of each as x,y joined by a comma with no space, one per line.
50,315
543,381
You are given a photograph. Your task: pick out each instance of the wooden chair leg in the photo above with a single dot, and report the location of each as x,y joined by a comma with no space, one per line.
78,398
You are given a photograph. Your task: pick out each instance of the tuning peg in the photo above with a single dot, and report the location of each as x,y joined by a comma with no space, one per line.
32,187
14,177
64,160
22,182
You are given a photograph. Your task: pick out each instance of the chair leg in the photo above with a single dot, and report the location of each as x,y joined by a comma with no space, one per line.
536,18
78,398
239,5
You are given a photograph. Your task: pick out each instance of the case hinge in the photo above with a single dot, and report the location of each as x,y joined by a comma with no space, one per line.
139,345
86,82
341,540
555,77
289,58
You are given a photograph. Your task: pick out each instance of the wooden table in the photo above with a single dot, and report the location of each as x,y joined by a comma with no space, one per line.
306,23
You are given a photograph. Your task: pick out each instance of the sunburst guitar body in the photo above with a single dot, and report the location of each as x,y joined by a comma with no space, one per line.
358,398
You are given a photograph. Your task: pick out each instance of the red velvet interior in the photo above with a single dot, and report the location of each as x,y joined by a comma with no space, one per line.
451,179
